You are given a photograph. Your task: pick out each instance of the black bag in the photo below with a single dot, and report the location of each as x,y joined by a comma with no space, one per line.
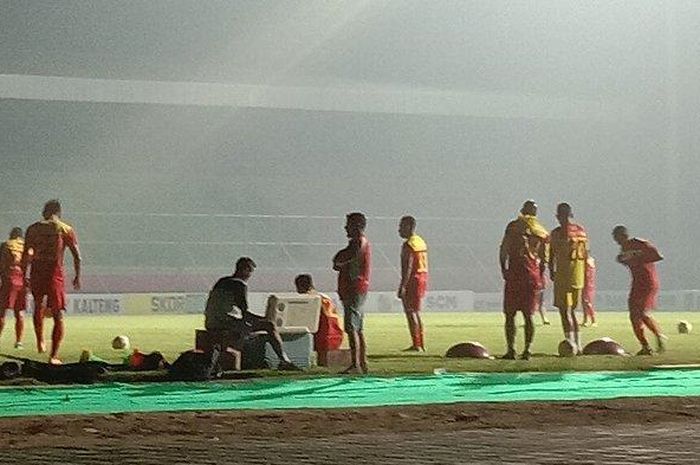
195,365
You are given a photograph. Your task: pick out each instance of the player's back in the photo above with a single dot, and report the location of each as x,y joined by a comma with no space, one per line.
643,268
11,254
46,241
570,250
416,246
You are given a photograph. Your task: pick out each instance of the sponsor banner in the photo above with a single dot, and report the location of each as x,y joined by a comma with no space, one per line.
434,301
88,304
686,300
377,302
183,303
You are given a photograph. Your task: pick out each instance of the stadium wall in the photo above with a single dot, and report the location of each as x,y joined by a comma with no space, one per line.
377,302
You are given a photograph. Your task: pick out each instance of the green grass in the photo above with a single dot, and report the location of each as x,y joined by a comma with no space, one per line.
386,336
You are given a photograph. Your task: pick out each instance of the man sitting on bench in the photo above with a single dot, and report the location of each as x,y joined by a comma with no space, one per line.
227,310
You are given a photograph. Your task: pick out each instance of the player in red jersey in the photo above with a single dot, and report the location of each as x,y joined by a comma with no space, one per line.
523,256
353,266
330,334
13,295
414,280
640,257
45,245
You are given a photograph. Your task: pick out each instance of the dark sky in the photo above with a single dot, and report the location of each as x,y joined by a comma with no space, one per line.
634,161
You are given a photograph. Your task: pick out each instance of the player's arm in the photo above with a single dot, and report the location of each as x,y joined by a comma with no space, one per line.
503,253
5,260
27,255
552,263
407,260
72,244
346,255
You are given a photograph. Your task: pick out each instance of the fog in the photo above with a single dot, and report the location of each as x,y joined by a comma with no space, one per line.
180,135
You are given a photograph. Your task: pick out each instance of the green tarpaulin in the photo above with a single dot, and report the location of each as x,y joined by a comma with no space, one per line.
345,392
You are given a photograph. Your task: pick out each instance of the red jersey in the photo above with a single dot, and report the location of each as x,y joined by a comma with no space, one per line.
354,269
640,256
46,241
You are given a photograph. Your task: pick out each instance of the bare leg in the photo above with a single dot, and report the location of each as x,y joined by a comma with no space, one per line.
529,333
654,327
2,320
59,328
38,319
565,322
637,320
510,333
411,329
575,330
362,355
19,327
419,329
354,340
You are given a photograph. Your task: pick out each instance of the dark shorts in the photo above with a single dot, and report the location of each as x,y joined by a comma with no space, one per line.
520,295
642,300
48,283
353,313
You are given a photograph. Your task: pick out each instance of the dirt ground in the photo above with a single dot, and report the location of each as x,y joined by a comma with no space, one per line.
227,426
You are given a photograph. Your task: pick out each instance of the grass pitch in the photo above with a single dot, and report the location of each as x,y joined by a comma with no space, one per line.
386,336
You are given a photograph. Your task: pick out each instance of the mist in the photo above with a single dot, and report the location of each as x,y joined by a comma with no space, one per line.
181,135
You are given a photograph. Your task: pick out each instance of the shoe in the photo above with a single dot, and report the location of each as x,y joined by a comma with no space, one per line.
287,366
661,343
411,349
55,361
546,323
594,325
645,351
19,346
584,325
510,355
41,347
527,355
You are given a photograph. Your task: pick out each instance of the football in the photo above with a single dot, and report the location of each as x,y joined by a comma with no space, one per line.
120,343
566,349
684,327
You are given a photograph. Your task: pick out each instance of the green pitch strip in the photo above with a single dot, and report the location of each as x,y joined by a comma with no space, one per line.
346,392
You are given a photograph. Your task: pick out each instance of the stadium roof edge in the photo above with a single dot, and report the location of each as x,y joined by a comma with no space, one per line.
360,99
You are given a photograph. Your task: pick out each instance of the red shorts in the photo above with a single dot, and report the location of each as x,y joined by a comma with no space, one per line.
13,295
520,295
642,300
415,291
48,283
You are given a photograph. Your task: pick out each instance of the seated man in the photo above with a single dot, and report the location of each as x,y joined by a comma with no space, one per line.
330,333
227,310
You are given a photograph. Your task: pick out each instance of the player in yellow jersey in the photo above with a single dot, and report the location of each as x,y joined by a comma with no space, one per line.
414,280
567,267
13,294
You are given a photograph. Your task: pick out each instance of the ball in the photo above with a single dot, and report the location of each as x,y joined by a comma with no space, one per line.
120,343
566,349
684,327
